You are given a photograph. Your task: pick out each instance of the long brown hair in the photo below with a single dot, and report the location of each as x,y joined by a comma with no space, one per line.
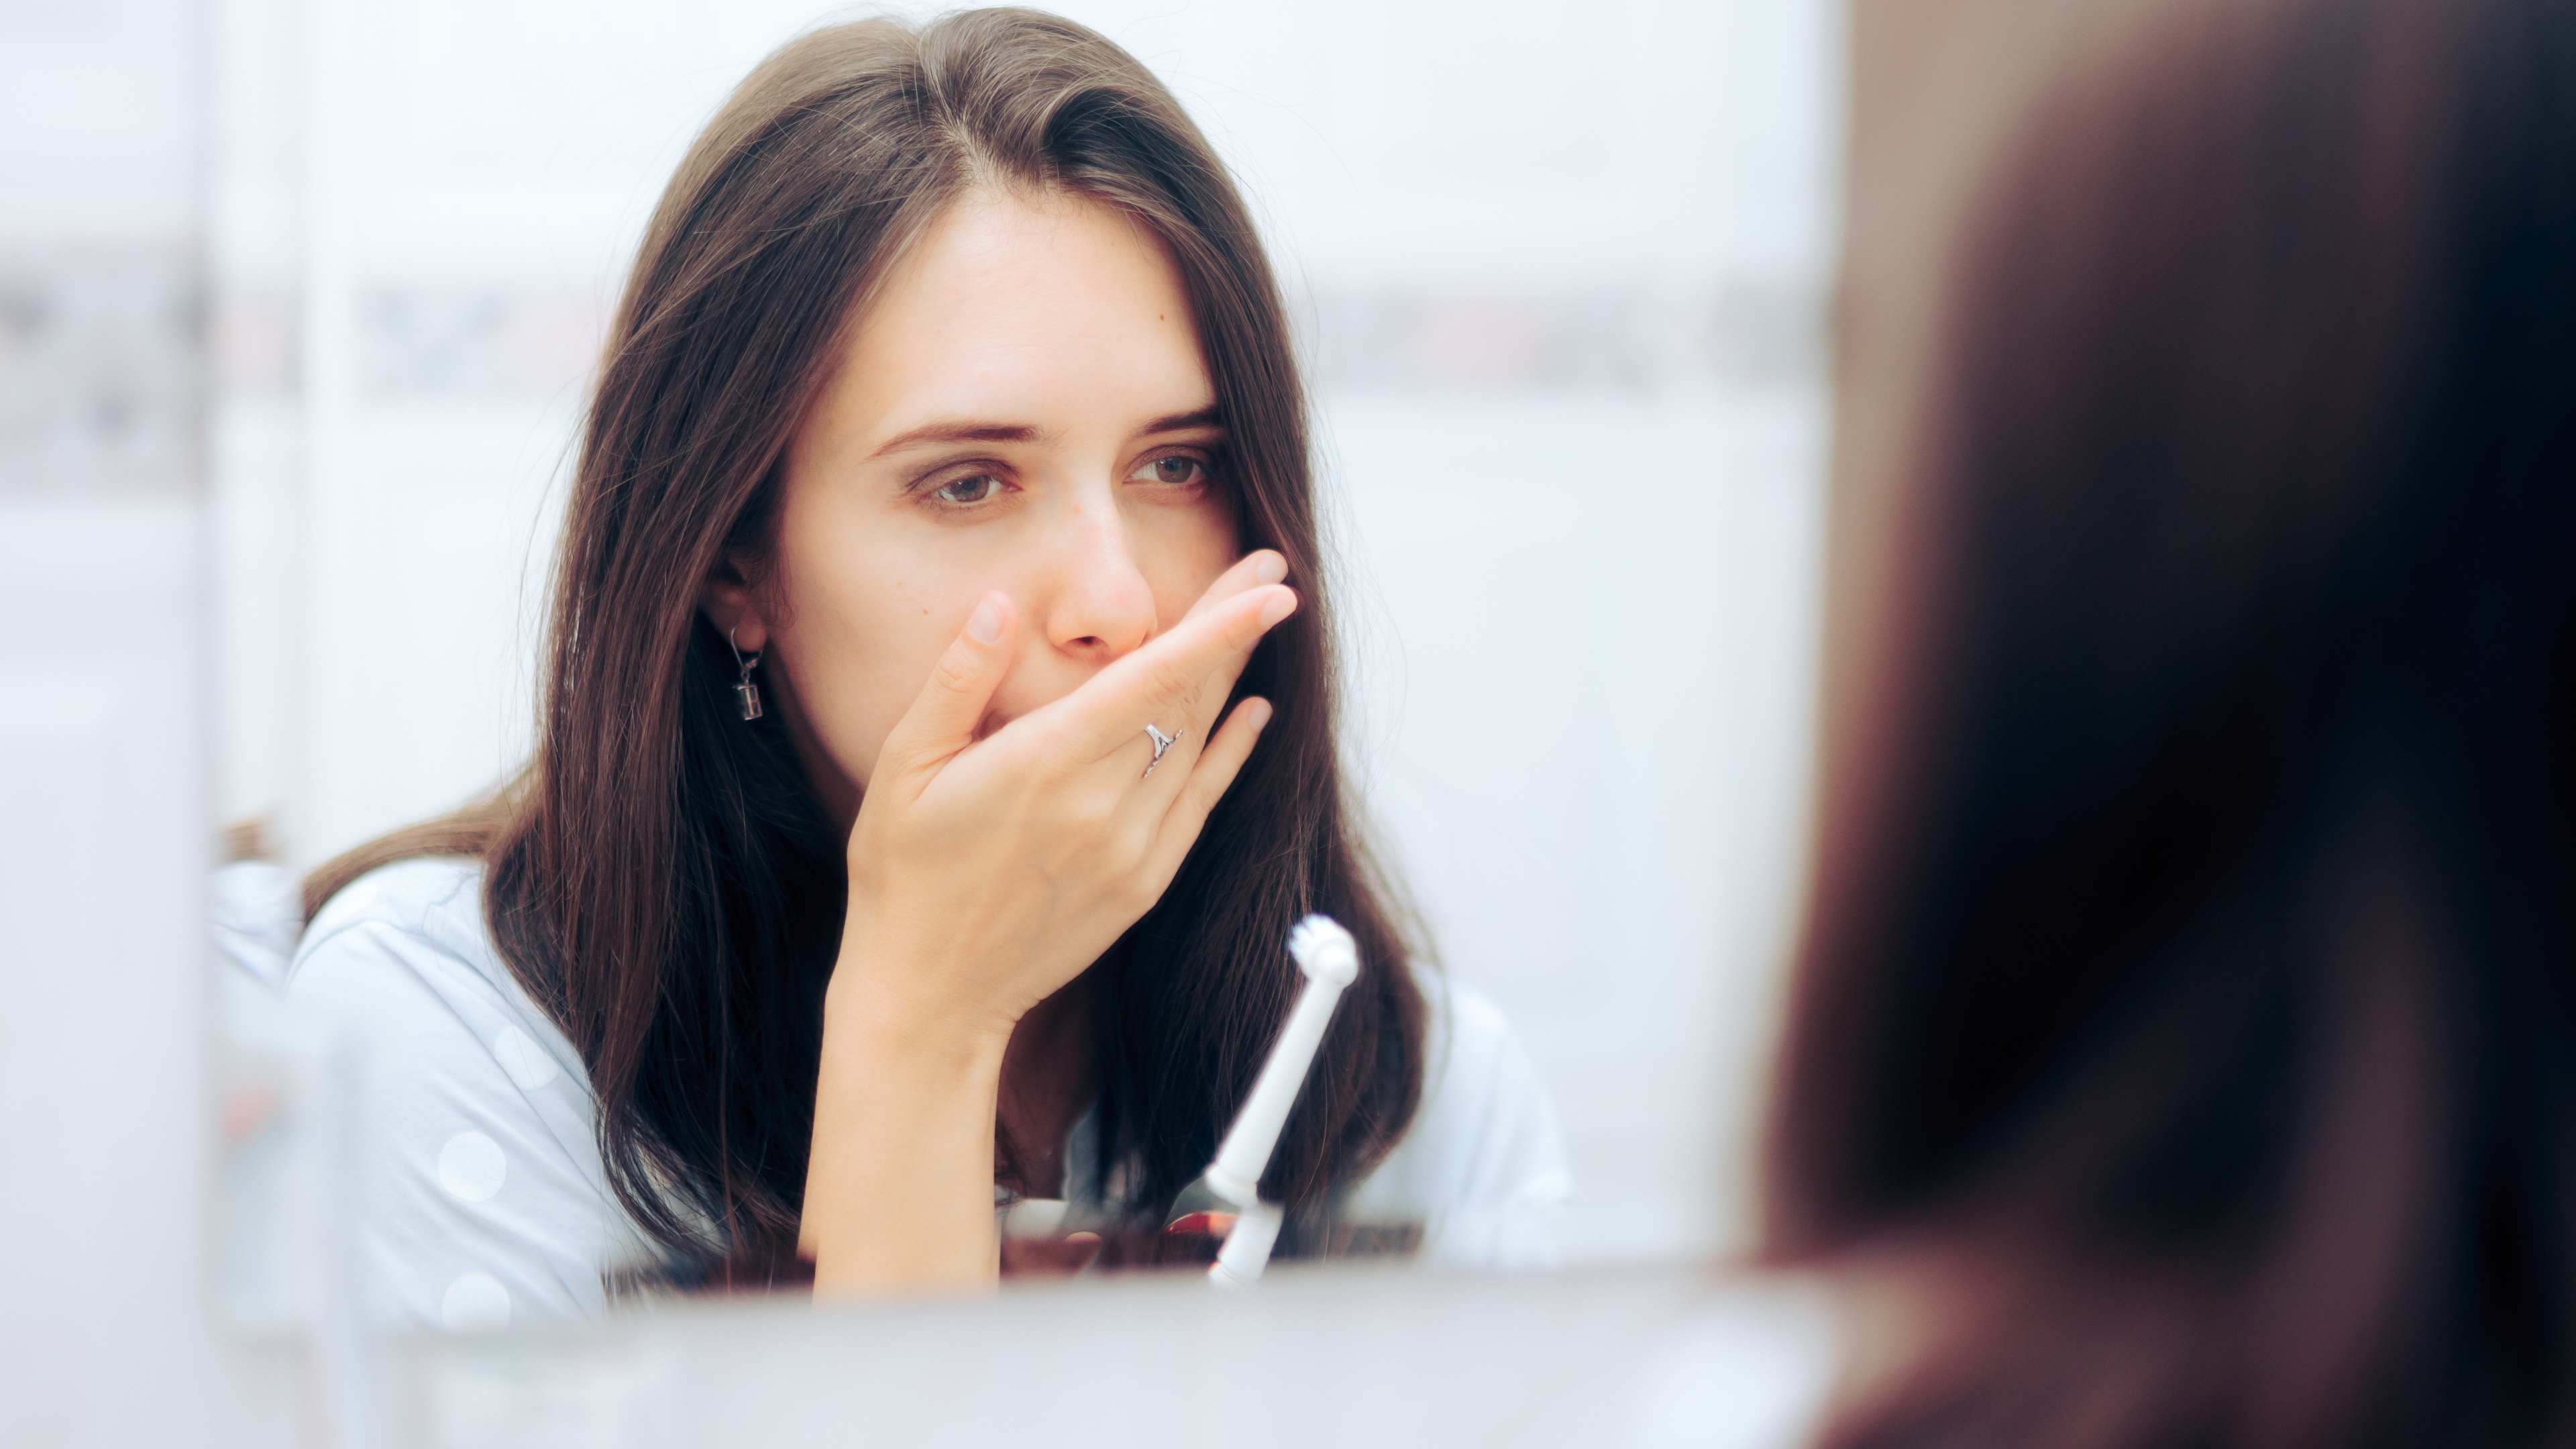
662,877
2188,985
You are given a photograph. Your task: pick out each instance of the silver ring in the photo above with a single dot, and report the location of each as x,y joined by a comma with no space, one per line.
1162,742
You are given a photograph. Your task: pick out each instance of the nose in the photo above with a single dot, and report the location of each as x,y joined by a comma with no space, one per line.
1102,607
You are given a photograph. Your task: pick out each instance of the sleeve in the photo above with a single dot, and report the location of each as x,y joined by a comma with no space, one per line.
470,1176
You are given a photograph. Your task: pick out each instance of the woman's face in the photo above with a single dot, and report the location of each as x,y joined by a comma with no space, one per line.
1023,408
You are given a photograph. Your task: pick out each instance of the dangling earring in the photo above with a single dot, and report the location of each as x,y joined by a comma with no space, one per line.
746,692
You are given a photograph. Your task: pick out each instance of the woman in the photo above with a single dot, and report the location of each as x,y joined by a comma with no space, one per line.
937,741
2180,1042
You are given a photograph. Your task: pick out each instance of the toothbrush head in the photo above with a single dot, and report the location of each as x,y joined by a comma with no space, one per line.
1325,951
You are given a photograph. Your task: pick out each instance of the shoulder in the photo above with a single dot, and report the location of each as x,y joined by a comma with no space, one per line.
1473,1065
1483,1165
412,934
433,900
1465,1024
401,963
1480,1090
482,1191
257,913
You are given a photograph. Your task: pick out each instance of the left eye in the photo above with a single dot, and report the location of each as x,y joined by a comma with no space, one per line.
1177,469
974,489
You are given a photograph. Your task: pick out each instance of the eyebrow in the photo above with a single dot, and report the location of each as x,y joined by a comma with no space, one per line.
968,430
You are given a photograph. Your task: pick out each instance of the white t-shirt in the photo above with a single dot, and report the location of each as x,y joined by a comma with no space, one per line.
482,1196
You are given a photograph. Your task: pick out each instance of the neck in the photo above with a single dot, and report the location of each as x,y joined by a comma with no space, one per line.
1049,1072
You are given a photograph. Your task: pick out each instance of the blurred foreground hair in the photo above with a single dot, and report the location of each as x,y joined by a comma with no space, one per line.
2188,984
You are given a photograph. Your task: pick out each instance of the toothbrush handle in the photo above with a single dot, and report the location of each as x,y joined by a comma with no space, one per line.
1246,1253
1236,1173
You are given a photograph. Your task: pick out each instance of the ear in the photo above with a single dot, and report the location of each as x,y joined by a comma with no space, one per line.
728,601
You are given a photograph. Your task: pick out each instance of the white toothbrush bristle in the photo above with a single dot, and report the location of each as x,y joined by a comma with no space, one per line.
1324,950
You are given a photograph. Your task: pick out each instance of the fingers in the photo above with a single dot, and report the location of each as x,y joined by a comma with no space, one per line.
1165,682
1162,783
1261,566
942,718
1217,766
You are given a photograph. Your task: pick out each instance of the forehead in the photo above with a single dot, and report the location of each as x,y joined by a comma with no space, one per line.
1047,310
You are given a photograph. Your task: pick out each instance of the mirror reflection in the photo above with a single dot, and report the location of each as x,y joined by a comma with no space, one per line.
934,655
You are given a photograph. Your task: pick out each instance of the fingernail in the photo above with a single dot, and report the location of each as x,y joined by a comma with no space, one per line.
1260,711
1281,605
986,625
1271,569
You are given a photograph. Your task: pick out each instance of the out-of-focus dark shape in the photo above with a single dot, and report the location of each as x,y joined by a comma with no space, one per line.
2184,1028
99,368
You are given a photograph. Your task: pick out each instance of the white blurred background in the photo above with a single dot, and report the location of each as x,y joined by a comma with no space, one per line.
1558,272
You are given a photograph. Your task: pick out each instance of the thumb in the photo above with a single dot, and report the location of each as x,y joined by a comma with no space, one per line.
942,718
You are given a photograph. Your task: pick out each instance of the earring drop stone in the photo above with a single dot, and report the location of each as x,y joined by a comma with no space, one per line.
746,694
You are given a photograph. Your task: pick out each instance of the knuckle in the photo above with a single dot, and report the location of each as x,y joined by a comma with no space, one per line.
954,675
1247,628
1139,888
1198,802
1169,681
1211,791
1095,815
1176,672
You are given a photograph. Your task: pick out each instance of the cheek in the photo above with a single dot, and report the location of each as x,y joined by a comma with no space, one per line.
1191,548
865,623
847,686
